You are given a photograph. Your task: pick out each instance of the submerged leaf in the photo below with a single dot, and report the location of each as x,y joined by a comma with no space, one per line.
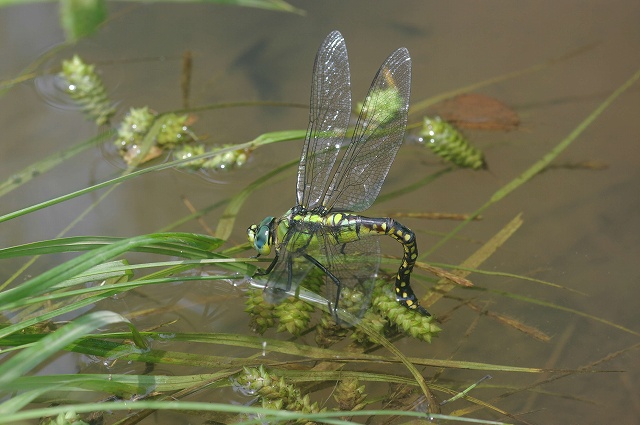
478,111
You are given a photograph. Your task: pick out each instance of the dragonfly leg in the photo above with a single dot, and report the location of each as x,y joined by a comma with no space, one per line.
289,273
261,272
276,293
330,275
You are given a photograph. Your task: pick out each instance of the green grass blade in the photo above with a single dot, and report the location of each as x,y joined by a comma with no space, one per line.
84,262
66,308
87,243
39,168
18,401
561,308
228,219
81,18
264,139
106,291
34,355
260,344
121,385
264,415
275,5
422,105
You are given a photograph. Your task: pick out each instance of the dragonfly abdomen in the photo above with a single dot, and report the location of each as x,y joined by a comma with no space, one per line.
404,235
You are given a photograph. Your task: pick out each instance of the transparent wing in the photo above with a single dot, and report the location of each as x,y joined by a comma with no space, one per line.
292,267
328,120
355,264
377,137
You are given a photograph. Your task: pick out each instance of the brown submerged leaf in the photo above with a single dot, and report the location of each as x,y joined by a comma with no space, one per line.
478,111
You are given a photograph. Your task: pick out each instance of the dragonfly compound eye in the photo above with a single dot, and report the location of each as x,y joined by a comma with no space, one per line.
260,236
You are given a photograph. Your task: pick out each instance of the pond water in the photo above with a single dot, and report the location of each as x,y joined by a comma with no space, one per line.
581,227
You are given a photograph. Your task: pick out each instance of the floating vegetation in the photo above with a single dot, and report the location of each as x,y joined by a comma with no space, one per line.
223,161
172,130
261,312
376,322
144,134
450,144
293,315
67,418
274,392
85,87
350,395
418,326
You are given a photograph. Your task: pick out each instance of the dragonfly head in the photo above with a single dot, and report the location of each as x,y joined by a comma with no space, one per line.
261,235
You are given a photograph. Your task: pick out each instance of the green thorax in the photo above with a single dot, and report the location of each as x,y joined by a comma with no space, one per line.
342,227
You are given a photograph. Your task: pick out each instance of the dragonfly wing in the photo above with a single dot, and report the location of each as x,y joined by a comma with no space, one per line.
377,137
328,120
355,264
284,279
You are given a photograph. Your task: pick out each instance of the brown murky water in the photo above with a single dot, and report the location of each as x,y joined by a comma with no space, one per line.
581,226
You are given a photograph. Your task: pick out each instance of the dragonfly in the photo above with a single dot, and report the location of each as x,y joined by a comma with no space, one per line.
338,177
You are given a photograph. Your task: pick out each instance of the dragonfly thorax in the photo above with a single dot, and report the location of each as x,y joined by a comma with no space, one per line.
261,235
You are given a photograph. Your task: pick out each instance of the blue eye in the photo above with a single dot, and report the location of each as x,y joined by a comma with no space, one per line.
260,236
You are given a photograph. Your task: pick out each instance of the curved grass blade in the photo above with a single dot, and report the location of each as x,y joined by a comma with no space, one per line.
104,291
380,339
18,401
264,139
84,262
81,18
119,384
421,106
106,348
228,219
264,415
87,243
34,355
37,169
